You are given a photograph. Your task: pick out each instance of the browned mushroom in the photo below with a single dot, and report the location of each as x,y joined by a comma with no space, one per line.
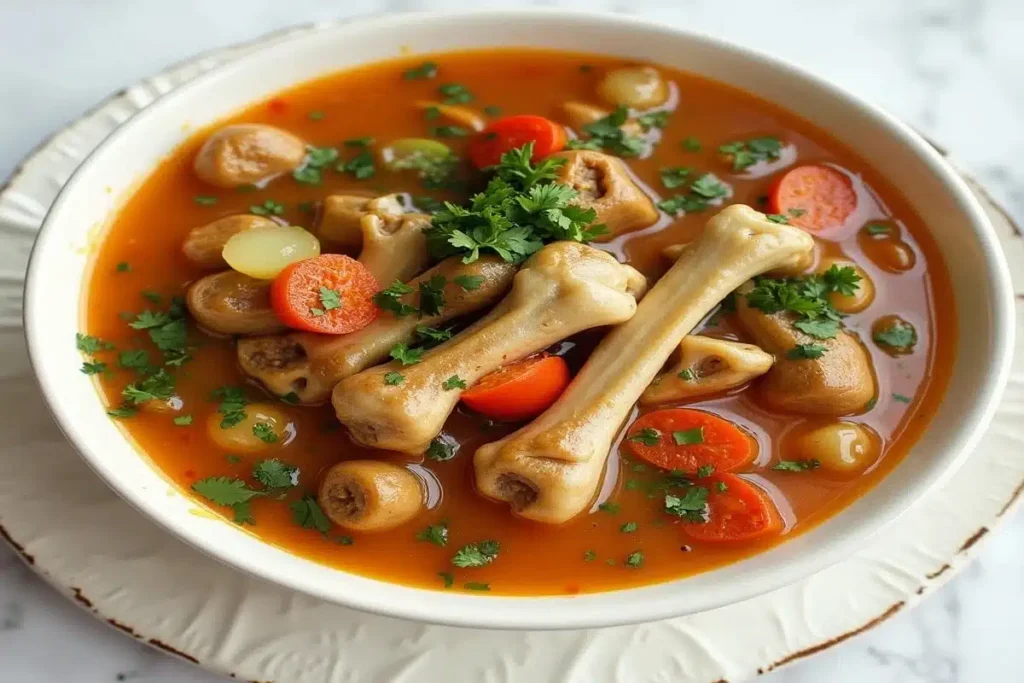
707,366
309,365
246,153
604,184
204,245
838,382
369,495
232,303
550,469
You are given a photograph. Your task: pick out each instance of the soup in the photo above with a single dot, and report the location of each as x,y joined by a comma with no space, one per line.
519,321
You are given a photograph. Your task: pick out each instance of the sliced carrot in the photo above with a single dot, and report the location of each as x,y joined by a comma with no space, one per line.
688,440
330,293
813,197
736,511
512,132
519,390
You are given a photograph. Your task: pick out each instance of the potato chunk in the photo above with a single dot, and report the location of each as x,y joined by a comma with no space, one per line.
842,448
247,153
604,184
262,426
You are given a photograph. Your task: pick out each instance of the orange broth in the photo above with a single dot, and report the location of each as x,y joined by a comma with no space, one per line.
376,101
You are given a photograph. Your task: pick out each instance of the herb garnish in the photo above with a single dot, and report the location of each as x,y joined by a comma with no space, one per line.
275,474
204,200
183,420
797,465
388,299
520,210
747,153
476,554
898,335
705,471
440,450
432,295
455,93
449,579
691,505
648,436
232,405
691,144
435,533
806,352
393,379
609,507
607,134
476,586
628,527
635,559
361,165
453,382
306,513
689,437
468,282
406,356
264,432
424,70
704,191
432,336
674,176
267,208
654,119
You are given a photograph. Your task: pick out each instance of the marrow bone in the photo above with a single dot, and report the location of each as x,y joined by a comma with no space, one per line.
707,366
562,289
550,469
604,184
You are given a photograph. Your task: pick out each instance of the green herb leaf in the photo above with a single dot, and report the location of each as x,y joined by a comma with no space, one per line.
123,411
705,471
777,218
406,356
361,166
264,432
648,436
747,153
455,93
806,352
432,295
797,465
842,279
877,230
628,527
674,176
468,282
477,554
691,505
424,70
687,375
609,507
435,533
721,486
183,420
899,335
306,513
267,208
654,119
93,367
688,437
492,110
388,299
232,405
607,134
243,514
453,382
204,200
157,387
330,299
364,141
122,267
449,579
691,144
89,344
393,379
225,491
901,398
635,559
476,586
448,132
589,556
315,115
440,450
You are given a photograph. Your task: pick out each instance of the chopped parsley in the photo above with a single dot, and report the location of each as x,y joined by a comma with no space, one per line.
705,471
654,119
424,70
225,491
311,173
797,465
721,486
432,295
448,578
453,382
648,436
468,282
607,134
901,398
609,507
455,93
264,432
628,527
777,218
93,367
306,513
435,533
393,379
440,450
492,110
746,153
123,411
691,505
432,112
877,230
691,144
520,210
476,586
361,165
806,352
89,344
477,554
635,559
589,555
275,474
232,405
427,204
406,356
183,420
704,191
687,375
388,299
204,200
674,176
432,336
364,141
122,267
330,299
267,208
689,437
448,132
897,335
157,387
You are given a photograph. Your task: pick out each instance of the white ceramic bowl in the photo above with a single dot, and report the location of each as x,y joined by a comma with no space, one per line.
54,295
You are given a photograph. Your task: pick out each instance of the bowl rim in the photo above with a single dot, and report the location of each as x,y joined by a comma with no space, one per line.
535,612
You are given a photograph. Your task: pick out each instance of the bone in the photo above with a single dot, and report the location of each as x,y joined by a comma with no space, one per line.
394,247
564,288
604,184
309,365
550,469
339,221
794,267
707,366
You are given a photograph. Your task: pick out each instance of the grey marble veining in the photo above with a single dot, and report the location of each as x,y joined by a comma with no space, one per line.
952,68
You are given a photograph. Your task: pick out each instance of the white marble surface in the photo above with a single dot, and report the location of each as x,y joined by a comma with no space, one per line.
953,68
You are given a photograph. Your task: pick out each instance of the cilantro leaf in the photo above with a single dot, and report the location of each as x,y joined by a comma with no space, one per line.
432,335
453,382
393,379
674,176
93,367
477,554
232,405
225,491
435,533
388,299
424,70
648,436
330,299
264,432
745,154
822,328
898,335
406,356
806,352
691,506
440,450
635,559
449,579
797,465
275,474
306,513
654,119
89,344
688,437
432,295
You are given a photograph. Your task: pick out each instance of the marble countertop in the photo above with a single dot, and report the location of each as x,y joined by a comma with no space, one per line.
952,68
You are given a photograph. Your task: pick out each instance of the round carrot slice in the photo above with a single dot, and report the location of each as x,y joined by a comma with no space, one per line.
512,132
331,293
736,511
519,390
688,440
813,197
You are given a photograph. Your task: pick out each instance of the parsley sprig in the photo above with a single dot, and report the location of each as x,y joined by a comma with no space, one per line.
521,210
